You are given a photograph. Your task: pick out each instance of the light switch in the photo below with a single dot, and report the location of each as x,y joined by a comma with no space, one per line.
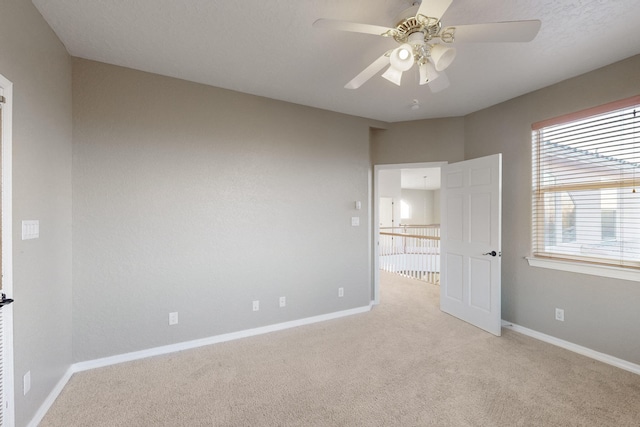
358,205
355,221
30,229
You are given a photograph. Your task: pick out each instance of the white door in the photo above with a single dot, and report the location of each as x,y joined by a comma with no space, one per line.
386,212
471,209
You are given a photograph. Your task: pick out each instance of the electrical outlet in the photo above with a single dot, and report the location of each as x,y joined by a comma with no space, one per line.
256,305
340,292
283,301
560,314
26,383
173,318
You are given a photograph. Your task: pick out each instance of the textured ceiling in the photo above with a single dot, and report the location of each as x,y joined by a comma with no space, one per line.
269,48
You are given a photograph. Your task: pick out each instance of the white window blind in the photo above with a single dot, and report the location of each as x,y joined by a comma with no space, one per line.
586,186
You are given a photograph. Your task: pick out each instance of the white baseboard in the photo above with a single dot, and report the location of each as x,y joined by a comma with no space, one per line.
172,348
112,360
602,357
44,408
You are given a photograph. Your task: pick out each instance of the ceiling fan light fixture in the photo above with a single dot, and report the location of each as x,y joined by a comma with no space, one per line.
393,75
425,42
402,57
442,56
428,73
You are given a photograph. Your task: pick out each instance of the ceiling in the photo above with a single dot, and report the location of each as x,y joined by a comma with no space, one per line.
269,48
420,179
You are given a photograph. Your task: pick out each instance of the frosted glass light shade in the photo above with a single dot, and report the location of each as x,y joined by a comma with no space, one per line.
428,73
402,57
442,56
393,75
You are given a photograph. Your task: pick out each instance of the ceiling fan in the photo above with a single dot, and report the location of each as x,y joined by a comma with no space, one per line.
423,41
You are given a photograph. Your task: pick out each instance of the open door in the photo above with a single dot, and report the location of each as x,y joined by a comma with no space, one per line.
471,219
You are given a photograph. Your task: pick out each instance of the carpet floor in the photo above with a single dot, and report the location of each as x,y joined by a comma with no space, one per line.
405,363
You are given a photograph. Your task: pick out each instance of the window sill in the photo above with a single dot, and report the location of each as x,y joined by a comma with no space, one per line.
578,267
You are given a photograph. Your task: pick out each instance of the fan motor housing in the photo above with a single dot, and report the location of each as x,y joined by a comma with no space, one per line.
408,23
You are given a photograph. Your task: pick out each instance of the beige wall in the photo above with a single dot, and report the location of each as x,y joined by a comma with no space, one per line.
422,205
420,141
199,200
600,313
36,62
436,206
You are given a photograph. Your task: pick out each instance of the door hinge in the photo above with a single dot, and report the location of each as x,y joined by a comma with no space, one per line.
3,100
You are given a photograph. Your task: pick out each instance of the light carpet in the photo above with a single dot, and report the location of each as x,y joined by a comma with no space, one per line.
405,363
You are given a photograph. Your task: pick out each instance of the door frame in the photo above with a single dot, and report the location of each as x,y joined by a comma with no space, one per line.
375,262
7,250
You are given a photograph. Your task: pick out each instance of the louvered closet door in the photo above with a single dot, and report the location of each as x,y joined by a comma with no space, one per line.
2,377
6,381
7,414
2,403
2,397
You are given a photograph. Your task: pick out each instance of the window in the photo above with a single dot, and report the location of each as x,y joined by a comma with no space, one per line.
586,186
405,210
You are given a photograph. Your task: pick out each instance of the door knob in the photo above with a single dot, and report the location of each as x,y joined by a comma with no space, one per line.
492,253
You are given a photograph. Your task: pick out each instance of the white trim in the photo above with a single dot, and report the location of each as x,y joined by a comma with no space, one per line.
172,348
591,269
376,215
7,249
46,405
602,357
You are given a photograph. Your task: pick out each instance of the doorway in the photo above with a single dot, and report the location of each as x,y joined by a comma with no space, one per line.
387,206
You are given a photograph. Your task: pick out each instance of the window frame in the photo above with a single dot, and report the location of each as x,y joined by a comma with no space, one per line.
559,262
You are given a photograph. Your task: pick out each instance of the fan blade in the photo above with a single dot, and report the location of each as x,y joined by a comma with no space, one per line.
439,84
434,8
369,72
354,27
513,31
